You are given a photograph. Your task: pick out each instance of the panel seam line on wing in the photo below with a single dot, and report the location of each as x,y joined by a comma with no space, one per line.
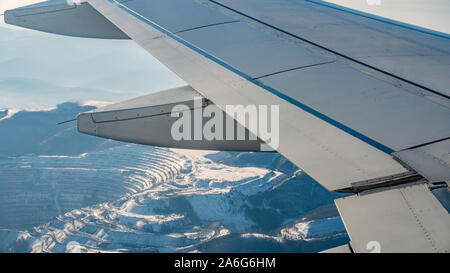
427,143
205,26
292,69
418,220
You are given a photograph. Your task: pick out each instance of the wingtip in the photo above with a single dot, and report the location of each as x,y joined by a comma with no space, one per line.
8,17
86,125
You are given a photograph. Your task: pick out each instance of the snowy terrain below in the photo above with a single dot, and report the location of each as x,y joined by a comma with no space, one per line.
58,187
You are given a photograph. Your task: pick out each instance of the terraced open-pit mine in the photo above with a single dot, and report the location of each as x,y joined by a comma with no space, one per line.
59,188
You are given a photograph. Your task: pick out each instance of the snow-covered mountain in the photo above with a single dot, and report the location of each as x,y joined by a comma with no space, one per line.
59,188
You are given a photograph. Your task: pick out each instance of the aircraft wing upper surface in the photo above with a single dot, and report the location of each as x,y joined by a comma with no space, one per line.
340,120
364,103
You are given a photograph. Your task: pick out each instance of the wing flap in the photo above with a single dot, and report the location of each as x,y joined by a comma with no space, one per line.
431,161
408,219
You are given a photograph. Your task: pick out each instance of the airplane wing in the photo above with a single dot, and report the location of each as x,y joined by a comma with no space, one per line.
364,102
